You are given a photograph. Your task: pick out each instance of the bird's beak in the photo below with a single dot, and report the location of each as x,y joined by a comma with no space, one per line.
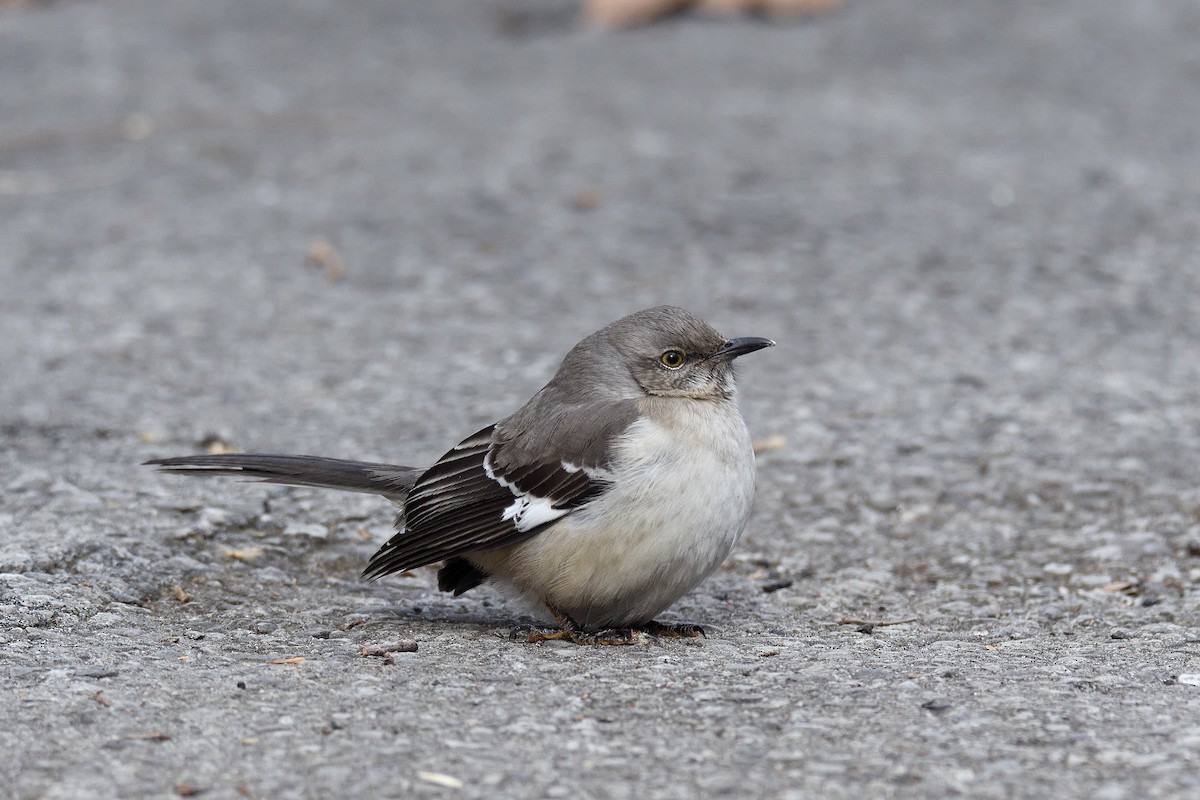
739,347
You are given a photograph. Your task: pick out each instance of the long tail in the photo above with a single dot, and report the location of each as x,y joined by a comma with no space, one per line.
389,480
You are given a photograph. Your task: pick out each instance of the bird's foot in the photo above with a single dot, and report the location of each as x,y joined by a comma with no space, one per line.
614,637
571,631
674,630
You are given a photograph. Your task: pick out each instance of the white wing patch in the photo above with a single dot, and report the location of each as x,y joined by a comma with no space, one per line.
528,512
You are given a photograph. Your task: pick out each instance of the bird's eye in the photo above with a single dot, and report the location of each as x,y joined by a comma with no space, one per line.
672,359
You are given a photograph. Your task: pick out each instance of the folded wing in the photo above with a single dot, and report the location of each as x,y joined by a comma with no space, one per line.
492,490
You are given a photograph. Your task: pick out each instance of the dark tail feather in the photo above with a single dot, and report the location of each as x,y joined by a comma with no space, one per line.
389,480
458,575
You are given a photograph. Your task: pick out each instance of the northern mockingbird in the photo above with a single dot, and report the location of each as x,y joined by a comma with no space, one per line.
615,490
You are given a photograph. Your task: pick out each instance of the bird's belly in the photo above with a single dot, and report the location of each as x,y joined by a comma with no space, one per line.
679,508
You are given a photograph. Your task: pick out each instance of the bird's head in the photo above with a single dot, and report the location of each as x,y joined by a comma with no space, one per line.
663,351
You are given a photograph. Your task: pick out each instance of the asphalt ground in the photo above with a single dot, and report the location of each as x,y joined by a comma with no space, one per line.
365,230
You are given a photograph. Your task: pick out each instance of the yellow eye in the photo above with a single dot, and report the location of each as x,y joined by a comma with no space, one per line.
672,359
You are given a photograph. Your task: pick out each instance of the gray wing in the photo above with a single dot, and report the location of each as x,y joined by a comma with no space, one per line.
502,485
389,480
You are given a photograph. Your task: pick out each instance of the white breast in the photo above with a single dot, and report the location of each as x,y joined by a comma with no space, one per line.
683,483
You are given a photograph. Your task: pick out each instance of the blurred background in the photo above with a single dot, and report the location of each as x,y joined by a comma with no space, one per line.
210,199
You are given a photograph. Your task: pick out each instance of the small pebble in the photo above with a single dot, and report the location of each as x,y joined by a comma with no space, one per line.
937,705
97,672
401,646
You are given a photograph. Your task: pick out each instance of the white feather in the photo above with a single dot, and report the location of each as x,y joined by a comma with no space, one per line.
528,512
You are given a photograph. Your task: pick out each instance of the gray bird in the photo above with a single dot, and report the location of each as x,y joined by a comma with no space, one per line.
621,485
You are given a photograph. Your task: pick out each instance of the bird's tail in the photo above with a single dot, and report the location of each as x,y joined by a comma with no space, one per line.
389,480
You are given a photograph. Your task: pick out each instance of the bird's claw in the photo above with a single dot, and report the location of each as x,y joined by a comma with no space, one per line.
674,630
571,631
613,637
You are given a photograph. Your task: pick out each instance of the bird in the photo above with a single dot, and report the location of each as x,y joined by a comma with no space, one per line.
616,489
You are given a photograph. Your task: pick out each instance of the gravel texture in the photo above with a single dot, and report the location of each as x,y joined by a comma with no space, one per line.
366,229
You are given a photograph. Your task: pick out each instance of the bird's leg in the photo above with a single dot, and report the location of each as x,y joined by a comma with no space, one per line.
572,631
567,629
674,630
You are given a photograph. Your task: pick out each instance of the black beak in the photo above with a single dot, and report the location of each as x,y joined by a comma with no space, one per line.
739,347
